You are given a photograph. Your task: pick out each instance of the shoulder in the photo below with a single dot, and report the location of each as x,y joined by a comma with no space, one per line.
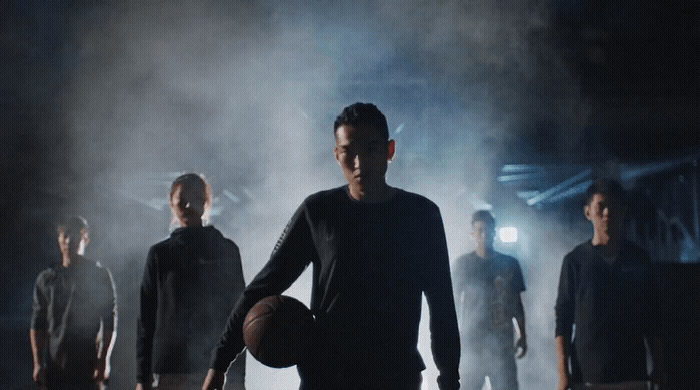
418,208
632,250
324,197
322,204
229,244
507,260
46,275
465,258
96,267
464,263
222,241
159,247
214,233
411,198
583,249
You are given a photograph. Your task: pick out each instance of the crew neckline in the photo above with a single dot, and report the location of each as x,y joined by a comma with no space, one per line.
393,196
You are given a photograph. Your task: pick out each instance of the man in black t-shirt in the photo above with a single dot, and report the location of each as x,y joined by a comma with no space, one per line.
375,251
487,289
73,316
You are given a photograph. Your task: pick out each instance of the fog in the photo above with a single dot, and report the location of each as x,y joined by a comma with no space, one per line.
246,93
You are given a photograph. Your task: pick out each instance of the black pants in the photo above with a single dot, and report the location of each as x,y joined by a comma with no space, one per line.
361,381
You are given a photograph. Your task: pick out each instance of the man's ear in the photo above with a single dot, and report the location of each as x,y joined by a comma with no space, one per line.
390,150
336,154
587,212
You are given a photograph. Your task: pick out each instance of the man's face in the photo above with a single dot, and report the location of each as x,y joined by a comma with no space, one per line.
72,243
606,213
363,154
187,206
483,233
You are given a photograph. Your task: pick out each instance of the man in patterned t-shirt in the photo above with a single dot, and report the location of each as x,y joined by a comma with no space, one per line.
73,316
487,287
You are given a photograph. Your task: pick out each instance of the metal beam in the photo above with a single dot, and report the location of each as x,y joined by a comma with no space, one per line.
568,182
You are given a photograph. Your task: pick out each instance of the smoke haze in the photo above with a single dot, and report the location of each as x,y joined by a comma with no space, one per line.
246,93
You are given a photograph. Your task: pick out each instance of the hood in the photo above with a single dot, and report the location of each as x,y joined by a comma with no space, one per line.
201,242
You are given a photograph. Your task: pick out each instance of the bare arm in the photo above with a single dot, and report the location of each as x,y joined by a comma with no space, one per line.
103,353
214,381
109,325
562,346
521,342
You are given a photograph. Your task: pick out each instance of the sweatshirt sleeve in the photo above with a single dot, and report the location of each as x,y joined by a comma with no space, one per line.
39,304
146,322
292,254
236,373
109,308
566,303
444,332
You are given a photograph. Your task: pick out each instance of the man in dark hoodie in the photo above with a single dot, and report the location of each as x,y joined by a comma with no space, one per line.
190,283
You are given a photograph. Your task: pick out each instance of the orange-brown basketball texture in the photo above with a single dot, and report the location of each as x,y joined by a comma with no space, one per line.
277,329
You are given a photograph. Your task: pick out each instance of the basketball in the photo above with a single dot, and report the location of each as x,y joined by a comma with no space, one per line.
277,330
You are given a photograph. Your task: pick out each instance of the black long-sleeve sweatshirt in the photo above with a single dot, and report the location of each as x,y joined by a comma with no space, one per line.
371,264
191,281
611,306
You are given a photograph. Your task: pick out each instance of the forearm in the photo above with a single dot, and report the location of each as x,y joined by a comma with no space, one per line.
106,346
521,326
562,348
520,318
38,337
658,359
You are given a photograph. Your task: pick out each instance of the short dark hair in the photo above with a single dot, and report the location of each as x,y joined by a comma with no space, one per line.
73,225
193,181
362,114
607,187
484,216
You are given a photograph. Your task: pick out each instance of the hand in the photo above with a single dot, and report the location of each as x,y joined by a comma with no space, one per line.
100,373
520,347
39,376
659,378
214,380
143,386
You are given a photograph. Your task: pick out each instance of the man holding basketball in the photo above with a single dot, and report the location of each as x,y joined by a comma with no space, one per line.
375,251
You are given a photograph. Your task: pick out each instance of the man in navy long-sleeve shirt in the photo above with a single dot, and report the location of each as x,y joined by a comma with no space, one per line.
605,291
375,251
